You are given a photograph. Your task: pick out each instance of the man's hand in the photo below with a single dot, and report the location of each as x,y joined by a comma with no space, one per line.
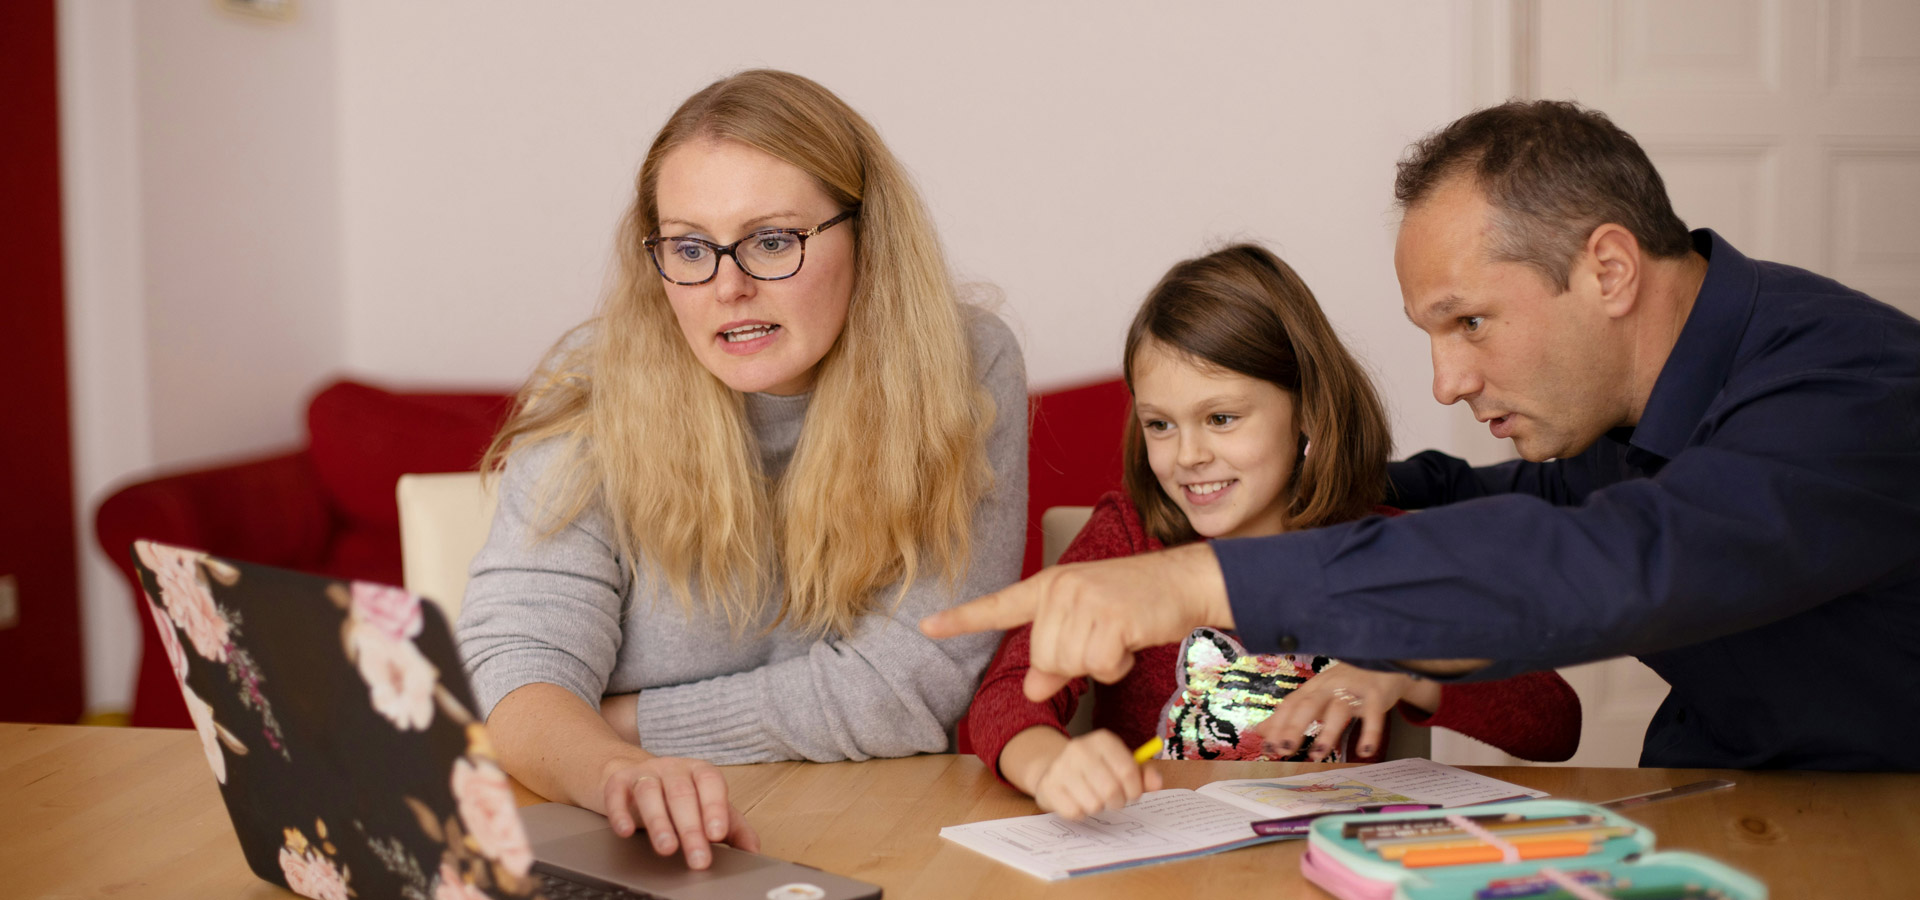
1089,618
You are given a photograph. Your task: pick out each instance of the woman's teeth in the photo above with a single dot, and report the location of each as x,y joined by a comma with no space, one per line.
748,333
1209,487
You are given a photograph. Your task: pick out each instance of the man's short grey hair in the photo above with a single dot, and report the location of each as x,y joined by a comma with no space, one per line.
1553,171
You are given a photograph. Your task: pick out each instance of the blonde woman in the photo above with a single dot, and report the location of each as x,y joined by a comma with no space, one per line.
726,500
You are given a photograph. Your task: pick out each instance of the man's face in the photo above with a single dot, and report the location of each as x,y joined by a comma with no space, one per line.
1548,369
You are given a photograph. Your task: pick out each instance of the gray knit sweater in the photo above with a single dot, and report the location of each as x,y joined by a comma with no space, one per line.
565,610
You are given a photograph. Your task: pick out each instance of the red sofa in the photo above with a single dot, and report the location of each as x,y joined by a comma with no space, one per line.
329,507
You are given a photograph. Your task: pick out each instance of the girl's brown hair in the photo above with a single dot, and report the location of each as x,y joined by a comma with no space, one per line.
1243,310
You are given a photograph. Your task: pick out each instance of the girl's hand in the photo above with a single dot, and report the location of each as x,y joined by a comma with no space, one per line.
1095,772
1337,696
682,804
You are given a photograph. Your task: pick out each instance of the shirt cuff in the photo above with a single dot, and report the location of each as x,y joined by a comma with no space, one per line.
1272,583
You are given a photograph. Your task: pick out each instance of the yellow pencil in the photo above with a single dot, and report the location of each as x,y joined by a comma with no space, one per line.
1147,751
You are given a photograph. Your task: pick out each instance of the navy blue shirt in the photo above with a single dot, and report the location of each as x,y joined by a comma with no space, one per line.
1755,540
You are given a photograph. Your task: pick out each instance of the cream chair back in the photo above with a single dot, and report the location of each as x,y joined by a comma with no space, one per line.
1058,527
444,518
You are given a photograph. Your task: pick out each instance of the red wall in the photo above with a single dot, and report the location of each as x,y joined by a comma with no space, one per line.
40,659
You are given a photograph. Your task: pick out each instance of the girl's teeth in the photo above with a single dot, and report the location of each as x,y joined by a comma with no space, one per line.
1209,487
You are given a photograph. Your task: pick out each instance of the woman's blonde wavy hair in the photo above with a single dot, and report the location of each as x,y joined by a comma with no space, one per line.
892,457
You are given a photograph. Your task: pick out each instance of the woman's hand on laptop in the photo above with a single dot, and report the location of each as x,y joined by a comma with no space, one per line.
682,804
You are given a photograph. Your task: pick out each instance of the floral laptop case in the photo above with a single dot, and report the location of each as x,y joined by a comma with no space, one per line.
337,721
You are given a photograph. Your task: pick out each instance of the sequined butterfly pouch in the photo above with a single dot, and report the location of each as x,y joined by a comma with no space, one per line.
1224,691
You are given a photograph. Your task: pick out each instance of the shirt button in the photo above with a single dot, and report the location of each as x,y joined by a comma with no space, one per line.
1288,643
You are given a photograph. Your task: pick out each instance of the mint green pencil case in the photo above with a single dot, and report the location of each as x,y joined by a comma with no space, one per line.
1623,865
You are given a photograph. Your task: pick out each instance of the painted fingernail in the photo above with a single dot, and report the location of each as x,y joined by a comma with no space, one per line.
1366,750
1287,746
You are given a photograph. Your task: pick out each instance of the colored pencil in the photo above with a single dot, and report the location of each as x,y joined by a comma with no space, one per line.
1389,831
1461,856
1591,834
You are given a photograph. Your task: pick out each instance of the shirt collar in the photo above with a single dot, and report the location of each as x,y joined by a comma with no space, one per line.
1697,368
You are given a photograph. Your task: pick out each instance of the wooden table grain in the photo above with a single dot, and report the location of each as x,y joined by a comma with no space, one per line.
123,812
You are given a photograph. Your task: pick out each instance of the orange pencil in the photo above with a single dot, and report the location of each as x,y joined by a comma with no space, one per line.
1587,834
1486,853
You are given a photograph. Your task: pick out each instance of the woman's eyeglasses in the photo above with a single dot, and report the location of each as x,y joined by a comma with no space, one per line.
767,255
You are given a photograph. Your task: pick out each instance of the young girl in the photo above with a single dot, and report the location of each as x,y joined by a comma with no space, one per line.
1250,419
726,502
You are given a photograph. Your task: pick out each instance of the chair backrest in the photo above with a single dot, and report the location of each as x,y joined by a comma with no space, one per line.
444,518
1058,527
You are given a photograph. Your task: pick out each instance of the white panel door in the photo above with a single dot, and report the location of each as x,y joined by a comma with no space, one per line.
1792,127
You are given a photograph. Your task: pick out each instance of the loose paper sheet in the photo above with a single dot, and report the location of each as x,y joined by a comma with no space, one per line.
1399,781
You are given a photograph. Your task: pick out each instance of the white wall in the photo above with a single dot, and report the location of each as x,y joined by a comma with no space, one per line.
203,239
425,192
239,212
1070,153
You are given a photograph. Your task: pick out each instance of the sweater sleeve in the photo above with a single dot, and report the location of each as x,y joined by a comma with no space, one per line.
883,689
1534,716
541,607
1000,708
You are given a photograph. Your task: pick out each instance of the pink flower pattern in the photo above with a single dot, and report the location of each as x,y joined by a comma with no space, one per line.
482,847
202,715
311,874
490,815
170,640
187,597
393,611
399,679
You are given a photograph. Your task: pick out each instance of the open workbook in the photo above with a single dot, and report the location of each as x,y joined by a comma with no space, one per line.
1173,824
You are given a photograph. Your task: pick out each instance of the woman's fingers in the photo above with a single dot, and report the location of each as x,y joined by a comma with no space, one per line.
618,802
683,805
740,834
652,806
714,809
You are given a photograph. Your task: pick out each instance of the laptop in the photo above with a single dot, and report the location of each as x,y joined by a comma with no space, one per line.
339,723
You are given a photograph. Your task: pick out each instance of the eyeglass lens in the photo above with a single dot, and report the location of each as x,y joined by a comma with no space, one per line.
767,255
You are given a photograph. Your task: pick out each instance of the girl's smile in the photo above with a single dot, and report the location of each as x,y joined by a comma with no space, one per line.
1222,445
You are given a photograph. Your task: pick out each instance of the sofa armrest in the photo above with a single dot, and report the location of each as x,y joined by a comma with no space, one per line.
265,510
269,510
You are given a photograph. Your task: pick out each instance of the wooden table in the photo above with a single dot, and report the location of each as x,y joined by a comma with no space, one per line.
124,812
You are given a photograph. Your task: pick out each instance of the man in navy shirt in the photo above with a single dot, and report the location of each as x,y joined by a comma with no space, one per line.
1719,474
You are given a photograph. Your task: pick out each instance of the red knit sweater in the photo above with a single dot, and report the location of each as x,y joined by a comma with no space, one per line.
1533,716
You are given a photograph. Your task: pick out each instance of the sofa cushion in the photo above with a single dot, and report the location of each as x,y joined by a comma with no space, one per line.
362,439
